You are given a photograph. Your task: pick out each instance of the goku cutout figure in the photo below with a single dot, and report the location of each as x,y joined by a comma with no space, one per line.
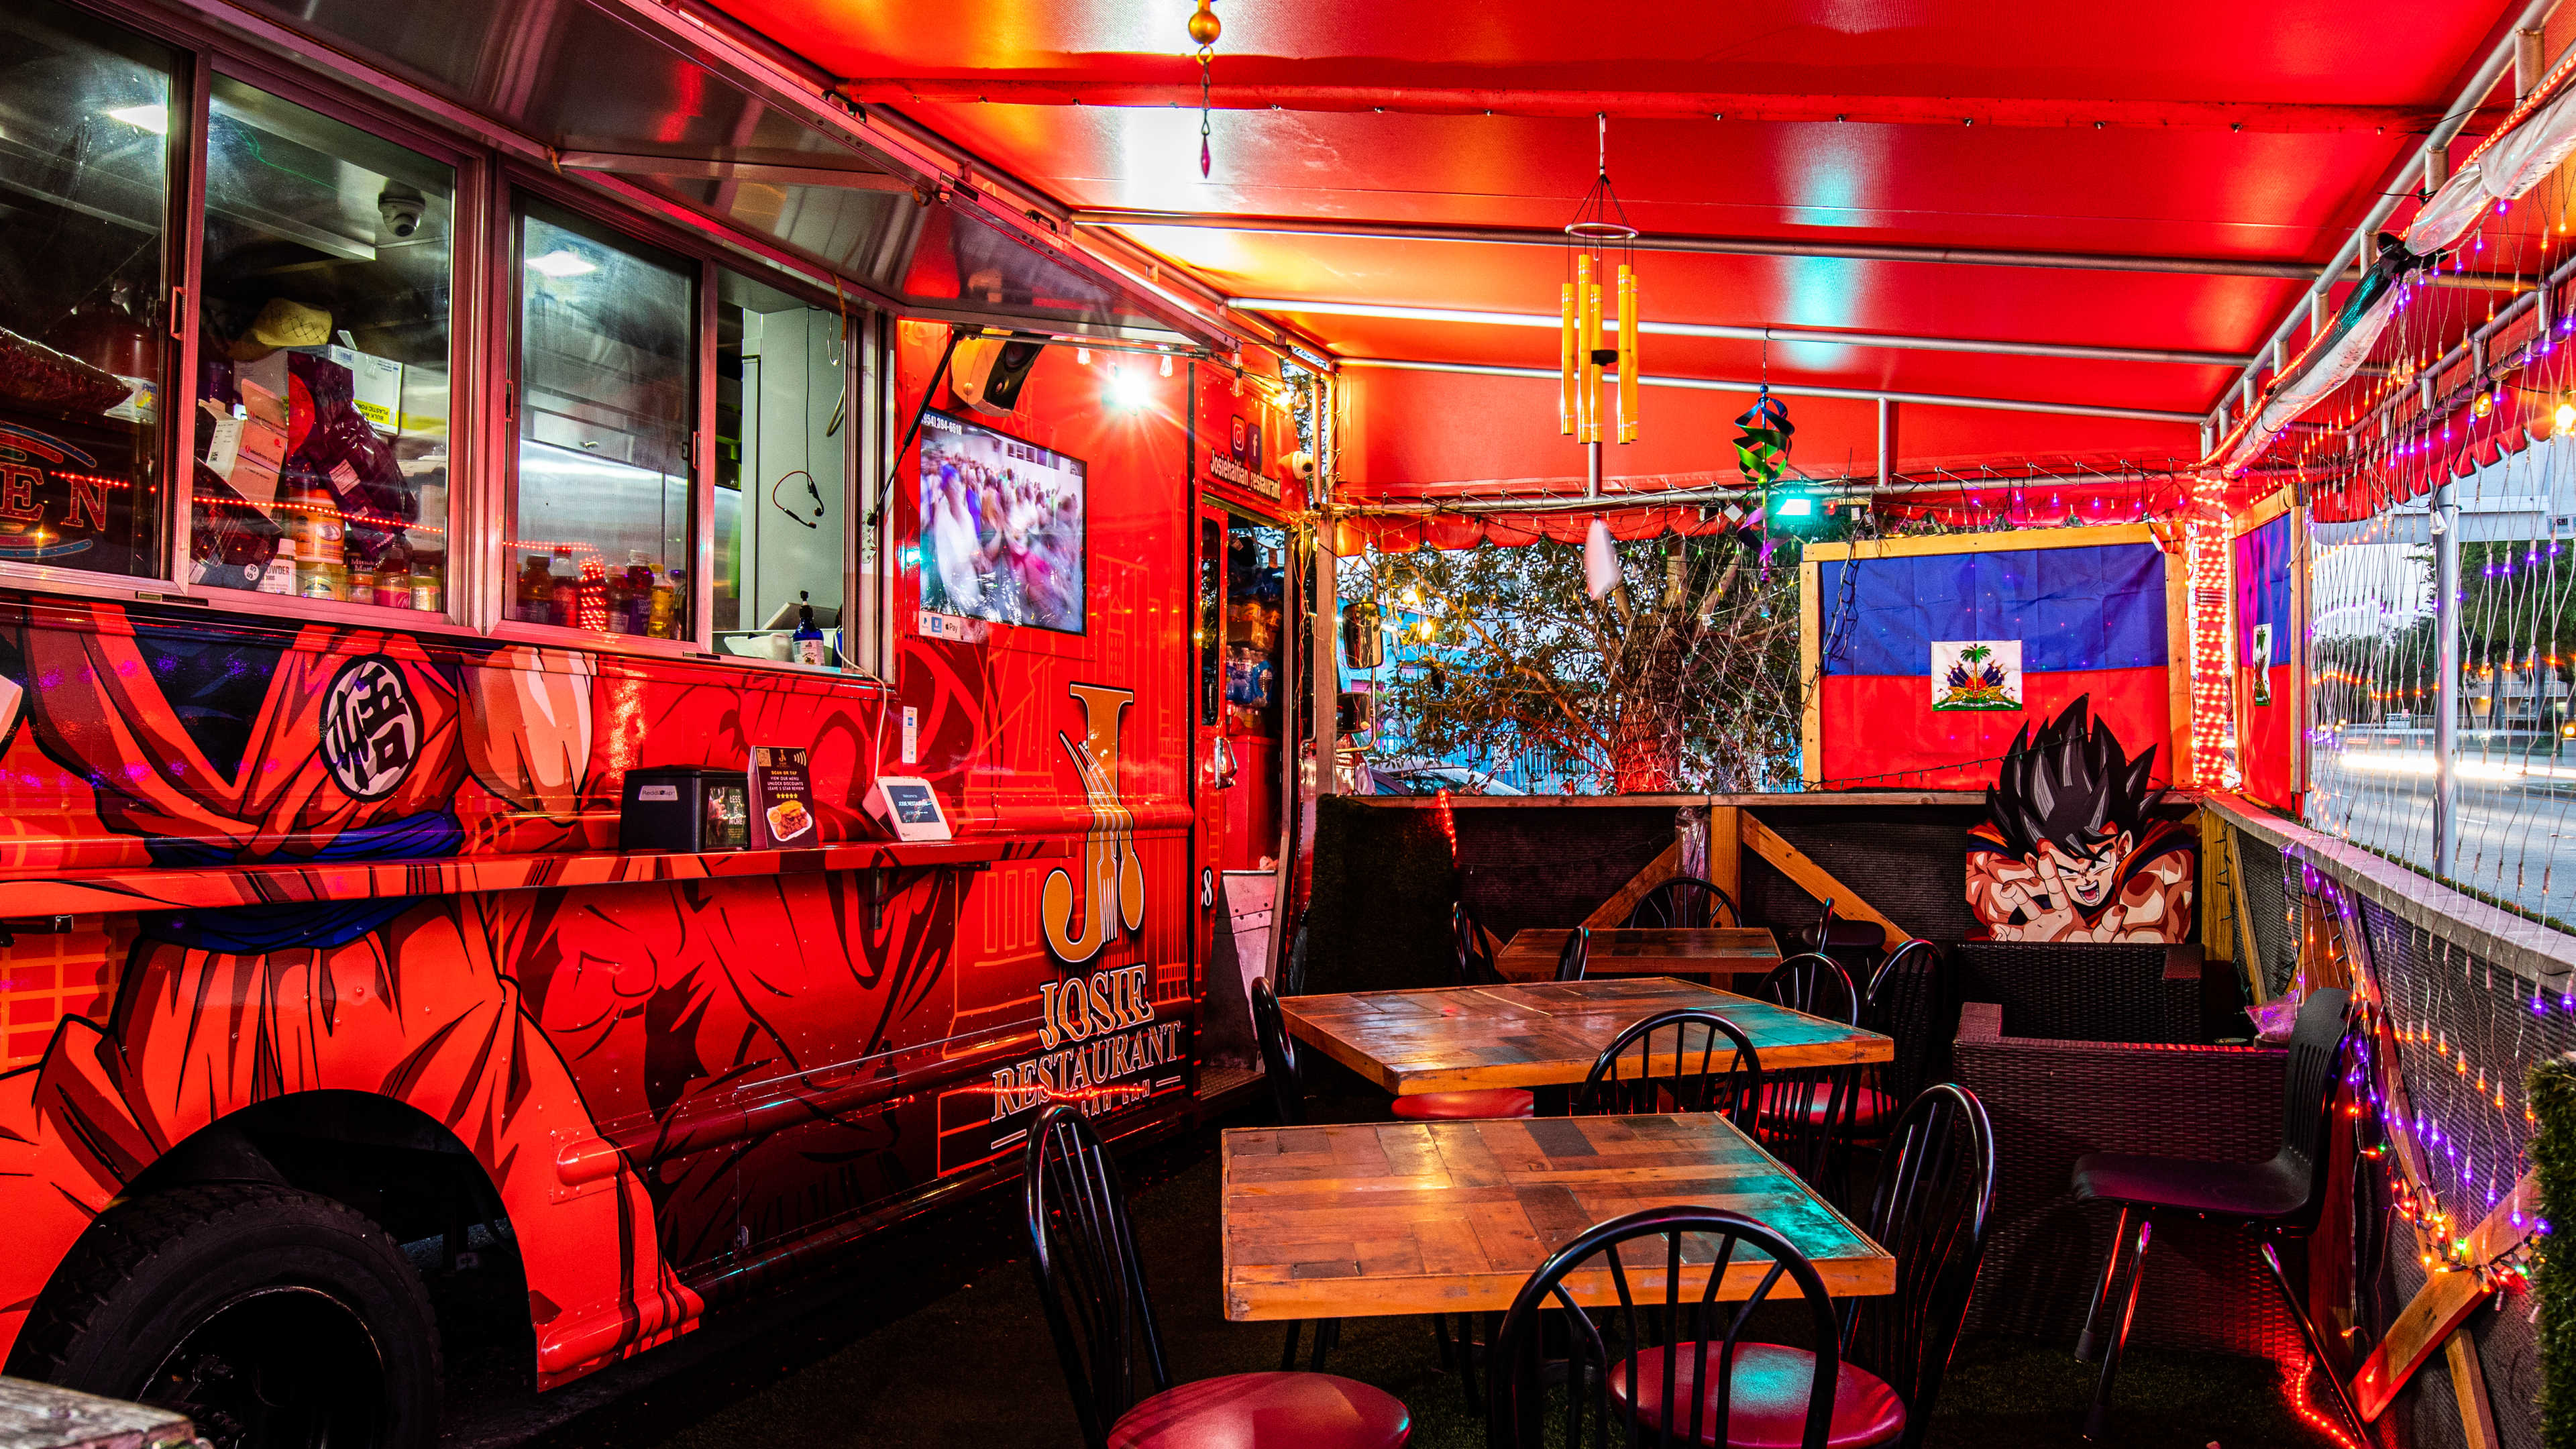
2076,846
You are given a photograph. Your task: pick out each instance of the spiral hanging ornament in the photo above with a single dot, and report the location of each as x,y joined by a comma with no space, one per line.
1762,450
1204,29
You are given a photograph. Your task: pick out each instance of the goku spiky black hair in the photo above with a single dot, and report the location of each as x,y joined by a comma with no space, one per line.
2070,786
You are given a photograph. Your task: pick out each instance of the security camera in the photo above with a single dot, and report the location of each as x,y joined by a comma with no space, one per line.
1301,465
401,207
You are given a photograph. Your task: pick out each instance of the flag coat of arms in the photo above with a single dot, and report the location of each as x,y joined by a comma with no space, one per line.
1899,699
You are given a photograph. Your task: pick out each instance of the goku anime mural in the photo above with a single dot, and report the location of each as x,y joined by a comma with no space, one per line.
2076,846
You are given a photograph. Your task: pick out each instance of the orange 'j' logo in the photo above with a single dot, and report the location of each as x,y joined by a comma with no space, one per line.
1114,881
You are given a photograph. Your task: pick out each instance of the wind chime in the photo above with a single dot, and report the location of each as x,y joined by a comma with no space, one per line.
1601,238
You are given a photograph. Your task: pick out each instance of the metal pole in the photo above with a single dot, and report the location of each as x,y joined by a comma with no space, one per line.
1886,443
1902,341
1592,469
2446,678
1092,218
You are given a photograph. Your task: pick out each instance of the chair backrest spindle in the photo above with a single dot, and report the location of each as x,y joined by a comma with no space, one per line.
1676,1061
1685,901
1278,1057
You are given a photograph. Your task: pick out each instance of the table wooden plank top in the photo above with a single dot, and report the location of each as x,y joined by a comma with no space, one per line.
1379,1218
1644,951
1545,1033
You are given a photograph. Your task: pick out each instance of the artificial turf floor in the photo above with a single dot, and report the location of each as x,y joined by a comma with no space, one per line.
936,1338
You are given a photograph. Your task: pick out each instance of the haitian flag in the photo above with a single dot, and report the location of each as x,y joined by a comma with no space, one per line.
1931,663
2268,741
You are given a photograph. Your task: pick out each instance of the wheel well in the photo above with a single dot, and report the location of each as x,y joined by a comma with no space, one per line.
392,1162
388,1160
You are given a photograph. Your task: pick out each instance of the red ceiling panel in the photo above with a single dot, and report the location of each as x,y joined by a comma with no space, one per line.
1419,430
2277,191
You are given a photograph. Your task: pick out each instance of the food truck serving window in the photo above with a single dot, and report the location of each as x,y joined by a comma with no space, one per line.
85,165
782,435
320,432
600,513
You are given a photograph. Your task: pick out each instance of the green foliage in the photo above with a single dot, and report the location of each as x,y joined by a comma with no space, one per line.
2525,609
1684,678
2552,1087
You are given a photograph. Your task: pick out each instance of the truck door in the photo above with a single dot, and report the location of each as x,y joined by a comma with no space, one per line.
1213,764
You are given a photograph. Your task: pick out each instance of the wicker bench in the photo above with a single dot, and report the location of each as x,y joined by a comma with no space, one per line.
2053,1101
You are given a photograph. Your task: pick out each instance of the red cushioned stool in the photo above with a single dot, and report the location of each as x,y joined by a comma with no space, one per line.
1260,1411
1767,1398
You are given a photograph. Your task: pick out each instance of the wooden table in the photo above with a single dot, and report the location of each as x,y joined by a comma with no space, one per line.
1538,1034
1379,1218
1645,951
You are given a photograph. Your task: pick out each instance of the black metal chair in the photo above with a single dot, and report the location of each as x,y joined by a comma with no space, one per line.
1685,901
1931,1209
1574,954
1806,1114
1855,944
2280,1196
1278,1057
1288,1100
1292,961
1470,963
1906,1002
1091,1281
1666,1360
1676,1061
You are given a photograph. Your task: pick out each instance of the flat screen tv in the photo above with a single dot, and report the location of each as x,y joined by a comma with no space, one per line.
1001,527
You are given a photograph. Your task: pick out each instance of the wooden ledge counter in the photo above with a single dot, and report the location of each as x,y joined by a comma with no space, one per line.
1377,1218
1644,951
1540,1034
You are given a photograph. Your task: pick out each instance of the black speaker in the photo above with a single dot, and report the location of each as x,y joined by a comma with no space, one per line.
987,373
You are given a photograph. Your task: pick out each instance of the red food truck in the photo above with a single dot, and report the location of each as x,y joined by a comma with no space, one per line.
426,482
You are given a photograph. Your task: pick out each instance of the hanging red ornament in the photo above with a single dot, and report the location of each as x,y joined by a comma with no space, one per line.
1204,29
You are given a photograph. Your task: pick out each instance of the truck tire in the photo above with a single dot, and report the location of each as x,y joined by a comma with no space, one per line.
275,1319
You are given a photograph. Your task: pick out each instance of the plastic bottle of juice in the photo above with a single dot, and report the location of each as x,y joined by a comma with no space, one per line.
638,618
663,613
393,579
563,589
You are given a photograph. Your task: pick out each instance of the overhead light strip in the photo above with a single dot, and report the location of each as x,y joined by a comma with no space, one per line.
1901,341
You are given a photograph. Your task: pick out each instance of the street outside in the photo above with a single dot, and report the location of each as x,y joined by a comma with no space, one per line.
2517,841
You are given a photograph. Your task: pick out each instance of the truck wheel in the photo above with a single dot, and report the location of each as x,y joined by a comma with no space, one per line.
275,1319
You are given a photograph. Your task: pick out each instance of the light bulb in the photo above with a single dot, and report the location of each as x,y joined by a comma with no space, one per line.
2566,415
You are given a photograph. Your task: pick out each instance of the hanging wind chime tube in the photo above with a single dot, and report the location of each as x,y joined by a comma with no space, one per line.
1582,360
1627,353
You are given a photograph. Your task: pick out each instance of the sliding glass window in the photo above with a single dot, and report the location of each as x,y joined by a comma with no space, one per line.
87,116
782,490
600,501
321,423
